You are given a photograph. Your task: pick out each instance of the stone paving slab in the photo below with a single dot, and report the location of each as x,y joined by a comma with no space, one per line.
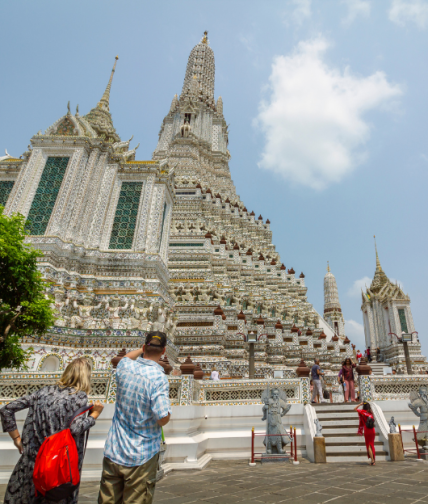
233,482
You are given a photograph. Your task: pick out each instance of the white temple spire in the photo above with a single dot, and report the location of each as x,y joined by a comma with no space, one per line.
332,309
200,64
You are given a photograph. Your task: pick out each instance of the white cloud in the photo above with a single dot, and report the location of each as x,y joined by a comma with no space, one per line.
355,332
413,11
356,8
355,290
297,11
313,119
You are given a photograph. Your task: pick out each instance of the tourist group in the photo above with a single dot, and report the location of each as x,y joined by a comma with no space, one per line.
346,379
54,436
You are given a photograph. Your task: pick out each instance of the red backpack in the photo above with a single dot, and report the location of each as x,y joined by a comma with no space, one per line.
56,471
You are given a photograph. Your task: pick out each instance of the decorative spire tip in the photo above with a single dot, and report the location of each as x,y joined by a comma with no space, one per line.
104,102
328,266
378,266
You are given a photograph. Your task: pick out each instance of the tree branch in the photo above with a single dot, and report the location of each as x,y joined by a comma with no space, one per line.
11,324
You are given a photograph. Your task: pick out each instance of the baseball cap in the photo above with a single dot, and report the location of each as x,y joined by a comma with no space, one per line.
156,338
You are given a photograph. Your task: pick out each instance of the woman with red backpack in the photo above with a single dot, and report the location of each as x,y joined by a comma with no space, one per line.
55,420
367,426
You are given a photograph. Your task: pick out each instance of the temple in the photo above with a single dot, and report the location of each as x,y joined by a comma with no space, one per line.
102,221
167,244
131,246
386,315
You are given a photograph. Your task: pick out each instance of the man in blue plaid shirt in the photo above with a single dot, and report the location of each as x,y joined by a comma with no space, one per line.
133,442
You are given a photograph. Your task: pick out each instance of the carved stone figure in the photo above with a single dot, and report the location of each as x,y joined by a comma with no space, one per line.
158,316
171,324
61,300
113,307
85,320
204,296
188,297
185,129
392,426
140,319
419,405
318,427
275,407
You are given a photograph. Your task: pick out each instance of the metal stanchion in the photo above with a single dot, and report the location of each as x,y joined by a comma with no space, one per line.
416,443
252,463
295,461
401,437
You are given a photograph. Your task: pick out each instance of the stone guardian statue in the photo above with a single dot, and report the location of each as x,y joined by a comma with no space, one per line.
419,405
392,426
275,407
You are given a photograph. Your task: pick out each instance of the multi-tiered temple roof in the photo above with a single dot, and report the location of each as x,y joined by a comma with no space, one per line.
220,253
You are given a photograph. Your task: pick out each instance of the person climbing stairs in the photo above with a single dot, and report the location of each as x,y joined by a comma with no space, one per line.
339,428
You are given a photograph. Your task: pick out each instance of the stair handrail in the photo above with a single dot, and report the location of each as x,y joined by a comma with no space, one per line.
312,416
380,420
309,418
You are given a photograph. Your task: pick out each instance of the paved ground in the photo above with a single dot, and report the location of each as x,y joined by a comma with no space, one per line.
233,482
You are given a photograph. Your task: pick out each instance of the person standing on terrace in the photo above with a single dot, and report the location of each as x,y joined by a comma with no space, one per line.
133,443
214,374
316,374
50,410
347,375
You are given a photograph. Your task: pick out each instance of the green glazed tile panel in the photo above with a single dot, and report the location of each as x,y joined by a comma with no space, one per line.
125,219
46,194
403,321
5,188
163,222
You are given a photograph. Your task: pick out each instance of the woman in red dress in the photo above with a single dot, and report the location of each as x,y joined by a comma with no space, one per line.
367,427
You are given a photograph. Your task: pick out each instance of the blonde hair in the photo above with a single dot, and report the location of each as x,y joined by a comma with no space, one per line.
77,375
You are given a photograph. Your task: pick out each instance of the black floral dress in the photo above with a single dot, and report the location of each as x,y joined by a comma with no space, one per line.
50,410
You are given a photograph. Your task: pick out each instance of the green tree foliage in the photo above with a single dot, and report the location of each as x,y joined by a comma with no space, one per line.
24,308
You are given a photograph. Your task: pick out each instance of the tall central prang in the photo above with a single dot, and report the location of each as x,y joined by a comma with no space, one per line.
226,277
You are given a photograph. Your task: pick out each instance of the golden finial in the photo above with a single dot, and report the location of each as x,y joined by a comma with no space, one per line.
378,266
104,102
328,267
205,39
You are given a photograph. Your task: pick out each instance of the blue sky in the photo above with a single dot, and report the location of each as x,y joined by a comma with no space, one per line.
326,100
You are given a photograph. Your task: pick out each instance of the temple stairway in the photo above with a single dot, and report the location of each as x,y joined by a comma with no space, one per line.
377,368
339,427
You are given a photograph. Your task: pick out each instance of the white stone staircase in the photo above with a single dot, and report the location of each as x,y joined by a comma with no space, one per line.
377,367
339,427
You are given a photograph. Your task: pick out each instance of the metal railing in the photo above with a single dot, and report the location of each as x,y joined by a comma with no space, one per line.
271,456
415,450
